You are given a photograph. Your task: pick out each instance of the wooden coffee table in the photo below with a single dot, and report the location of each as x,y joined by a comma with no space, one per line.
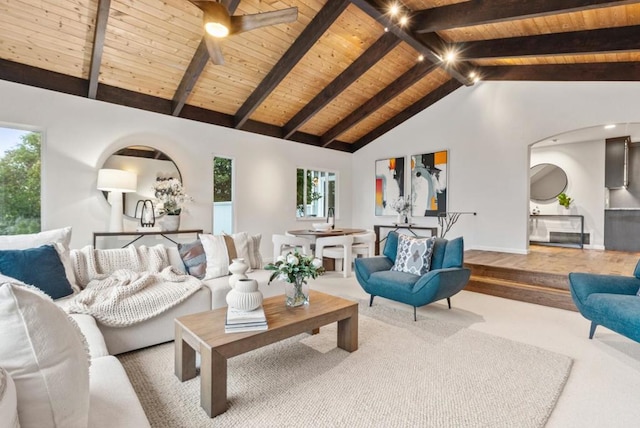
204,333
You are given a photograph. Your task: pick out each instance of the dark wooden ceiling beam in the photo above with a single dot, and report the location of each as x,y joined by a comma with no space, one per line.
600,71
394,89
41,78
51,80
231,5
102,17
361,65
377,9
305,41
574,42
190,77
415,108
485,12
195,68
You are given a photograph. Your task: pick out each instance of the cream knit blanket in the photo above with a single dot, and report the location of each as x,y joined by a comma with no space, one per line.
123,297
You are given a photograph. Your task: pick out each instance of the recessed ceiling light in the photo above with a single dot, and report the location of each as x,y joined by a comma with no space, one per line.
450,56
476,79
420,58
404,20
472,74
386,30
394,9
609,126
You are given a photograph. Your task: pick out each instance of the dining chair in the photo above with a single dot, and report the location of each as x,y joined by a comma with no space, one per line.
285,243
338,248
364,244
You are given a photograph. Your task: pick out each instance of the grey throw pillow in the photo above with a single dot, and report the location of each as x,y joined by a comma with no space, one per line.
414,255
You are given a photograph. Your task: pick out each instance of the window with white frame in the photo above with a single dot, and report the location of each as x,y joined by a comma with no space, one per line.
20,170
316,192
222,195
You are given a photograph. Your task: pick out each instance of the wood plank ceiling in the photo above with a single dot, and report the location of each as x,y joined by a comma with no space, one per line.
344,73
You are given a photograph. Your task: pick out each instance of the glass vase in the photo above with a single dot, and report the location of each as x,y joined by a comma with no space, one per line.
296,293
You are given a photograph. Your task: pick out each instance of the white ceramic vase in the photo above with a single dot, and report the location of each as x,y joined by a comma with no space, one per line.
245,296
238,269
171,223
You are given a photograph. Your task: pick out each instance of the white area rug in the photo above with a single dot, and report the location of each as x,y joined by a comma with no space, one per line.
405,374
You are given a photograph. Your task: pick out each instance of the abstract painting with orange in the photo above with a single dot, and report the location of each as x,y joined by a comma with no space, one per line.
389,184
429,183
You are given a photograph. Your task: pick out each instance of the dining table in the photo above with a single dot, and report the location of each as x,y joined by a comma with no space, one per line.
312,234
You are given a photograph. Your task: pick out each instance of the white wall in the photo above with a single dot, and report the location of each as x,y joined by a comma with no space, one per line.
79,134
584,165
487,129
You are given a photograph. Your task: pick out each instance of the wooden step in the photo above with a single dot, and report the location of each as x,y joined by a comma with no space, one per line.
540,295
542,279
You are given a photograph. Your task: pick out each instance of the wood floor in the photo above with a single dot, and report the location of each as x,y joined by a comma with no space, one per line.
541,276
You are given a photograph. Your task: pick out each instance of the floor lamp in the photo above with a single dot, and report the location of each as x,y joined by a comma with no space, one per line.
116,182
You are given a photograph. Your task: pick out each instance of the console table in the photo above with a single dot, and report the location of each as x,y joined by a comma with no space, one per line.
561,243
138,235
396,227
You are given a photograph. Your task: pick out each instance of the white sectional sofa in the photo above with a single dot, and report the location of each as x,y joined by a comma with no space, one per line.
112,401
160,329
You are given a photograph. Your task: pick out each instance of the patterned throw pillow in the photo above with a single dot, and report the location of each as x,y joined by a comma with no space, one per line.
194,258
414,255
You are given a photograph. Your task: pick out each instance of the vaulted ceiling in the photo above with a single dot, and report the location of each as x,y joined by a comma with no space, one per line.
344,73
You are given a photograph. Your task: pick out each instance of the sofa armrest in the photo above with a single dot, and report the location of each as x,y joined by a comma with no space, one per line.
365,266
445,282
584,284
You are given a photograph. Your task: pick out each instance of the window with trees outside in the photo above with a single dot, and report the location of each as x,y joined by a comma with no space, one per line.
19,181
222,195
316,193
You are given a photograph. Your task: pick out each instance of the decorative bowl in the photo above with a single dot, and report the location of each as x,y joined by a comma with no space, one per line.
321,227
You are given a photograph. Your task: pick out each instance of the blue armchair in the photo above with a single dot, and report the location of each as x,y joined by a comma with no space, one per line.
608,300
446,277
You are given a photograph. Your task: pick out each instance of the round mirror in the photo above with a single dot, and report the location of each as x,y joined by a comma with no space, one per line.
547,181
148,164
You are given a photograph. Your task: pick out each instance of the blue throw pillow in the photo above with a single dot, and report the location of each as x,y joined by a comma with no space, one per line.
40,267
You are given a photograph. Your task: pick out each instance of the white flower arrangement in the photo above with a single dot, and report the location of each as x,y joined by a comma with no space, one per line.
402,205
295,267
170,196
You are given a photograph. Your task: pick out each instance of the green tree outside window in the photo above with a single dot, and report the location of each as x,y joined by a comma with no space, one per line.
20,186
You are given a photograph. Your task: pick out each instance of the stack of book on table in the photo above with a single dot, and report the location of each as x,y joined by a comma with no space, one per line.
239,321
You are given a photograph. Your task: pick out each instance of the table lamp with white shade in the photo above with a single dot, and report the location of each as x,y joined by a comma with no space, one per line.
116,182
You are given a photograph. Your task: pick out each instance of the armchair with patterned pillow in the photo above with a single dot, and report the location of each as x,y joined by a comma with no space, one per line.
414,271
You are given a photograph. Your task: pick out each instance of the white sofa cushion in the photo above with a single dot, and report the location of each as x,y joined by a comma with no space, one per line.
46,355
22,242
92,334
8,401
158,329
114,403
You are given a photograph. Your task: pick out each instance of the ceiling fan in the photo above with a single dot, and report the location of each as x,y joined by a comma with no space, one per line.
218,24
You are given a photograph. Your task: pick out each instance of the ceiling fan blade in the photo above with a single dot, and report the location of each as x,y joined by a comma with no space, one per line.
213,47
243,23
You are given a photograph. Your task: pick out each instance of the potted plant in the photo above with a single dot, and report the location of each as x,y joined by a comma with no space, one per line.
564,200
170,200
